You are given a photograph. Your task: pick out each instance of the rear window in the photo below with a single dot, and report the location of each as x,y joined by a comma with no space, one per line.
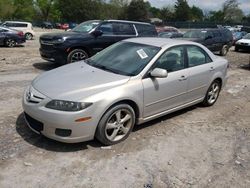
146,30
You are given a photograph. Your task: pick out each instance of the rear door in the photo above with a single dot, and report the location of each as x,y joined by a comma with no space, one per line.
112,33
200,70
161,94
209,40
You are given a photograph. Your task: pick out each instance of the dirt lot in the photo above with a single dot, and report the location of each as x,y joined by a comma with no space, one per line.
196,147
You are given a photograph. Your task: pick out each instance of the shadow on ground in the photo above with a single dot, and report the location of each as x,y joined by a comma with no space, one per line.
45,66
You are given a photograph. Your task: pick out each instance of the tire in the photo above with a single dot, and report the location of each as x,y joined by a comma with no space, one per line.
10,43
28,36
116,124
77,55
224,50
212,93
236,49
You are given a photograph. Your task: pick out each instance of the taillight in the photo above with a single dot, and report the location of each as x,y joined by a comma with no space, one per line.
20,34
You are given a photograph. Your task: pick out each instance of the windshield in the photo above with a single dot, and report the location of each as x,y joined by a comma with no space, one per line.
125,58
247,36
195,34
86,27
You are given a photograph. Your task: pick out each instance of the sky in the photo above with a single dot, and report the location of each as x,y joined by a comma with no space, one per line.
203,4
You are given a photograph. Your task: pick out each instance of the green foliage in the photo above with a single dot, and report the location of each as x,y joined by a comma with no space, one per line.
137,10
7,9
232,12
182,10
196,13
167,14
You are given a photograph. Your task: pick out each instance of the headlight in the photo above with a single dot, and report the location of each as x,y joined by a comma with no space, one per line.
59,41
69,106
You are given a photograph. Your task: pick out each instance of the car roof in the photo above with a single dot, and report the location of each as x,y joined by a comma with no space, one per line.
127,21
17,22
159,42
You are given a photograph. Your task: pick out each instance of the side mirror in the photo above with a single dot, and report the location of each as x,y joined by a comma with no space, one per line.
97,33
158,73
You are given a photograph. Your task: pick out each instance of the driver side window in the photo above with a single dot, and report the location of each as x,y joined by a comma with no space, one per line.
172,60
106,28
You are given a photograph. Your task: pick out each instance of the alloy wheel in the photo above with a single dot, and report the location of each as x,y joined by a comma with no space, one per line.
78,56
118,125
10,43
213,93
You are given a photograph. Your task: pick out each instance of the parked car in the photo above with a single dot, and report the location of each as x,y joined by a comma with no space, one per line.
64,26
57,25
237,36
25,27
243,44
72,25
128,83
216,40
47,25
170,35
88,38
167,29
11,37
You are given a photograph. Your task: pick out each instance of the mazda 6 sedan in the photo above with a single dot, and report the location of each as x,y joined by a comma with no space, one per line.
128,83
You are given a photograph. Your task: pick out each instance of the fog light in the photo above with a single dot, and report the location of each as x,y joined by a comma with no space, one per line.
63,132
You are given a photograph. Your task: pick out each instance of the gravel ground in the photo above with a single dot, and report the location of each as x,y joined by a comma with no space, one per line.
195,147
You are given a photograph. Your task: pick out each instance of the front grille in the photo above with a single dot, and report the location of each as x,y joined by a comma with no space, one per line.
47,47
33,123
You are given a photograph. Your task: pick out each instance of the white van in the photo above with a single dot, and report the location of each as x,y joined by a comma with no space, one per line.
25,27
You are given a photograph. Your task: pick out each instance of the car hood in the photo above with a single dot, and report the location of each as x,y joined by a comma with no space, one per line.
76,81
66,34
244,41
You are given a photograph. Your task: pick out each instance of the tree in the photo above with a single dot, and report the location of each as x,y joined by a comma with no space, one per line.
44,8
7,9
196,13
216,16
24,10
182,10
232,12
137,10
167,14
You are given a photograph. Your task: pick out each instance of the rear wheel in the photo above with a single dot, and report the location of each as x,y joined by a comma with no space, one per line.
224,50
116,124
28,36
77,55
10,43
212,93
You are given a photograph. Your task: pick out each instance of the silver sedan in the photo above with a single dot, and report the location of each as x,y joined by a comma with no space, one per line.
128,83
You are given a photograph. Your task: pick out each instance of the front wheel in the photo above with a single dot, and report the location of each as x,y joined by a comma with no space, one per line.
10,43
77,55
212,93
116,124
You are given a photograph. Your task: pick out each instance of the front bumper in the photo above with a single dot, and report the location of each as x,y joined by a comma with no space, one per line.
49,53
51,123
242,47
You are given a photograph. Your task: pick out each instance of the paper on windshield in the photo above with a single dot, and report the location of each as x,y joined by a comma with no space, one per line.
142,54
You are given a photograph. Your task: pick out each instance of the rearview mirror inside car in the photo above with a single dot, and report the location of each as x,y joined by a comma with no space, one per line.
159,73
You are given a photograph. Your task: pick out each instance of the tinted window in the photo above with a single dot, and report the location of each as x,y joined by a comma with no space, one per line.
195,34
197,56
21,25
145,30
123,29
172,59
106,28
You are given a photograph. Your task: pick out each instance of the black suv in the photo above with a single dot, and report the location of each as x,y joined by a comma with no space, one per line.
216,40
89,38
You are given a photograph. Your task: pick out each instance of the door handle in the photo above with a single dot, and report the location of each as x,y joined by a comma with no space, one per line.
211,68
182,78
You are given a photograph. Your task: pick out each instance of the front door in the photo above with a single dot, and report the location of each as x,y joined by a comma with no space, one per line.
161,94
